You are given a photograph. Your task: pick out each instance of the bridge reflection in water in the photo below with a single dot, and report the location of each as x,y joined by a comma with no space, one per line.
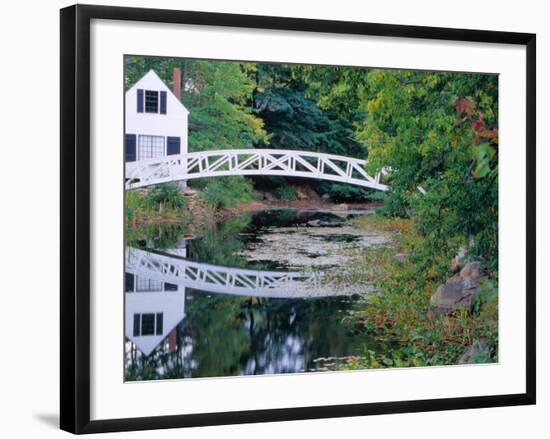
155,288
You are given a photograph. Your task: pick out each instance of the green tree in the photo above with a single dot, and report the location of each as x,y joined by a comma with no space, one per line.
436,130
295,121
216,93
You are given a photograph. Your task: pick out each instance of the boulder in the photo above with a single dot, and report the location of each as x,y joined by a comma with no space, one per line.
456,294
458,261
471,270
258,195
263,195
400,258
189,192
301,193
455,265
341,207
478,352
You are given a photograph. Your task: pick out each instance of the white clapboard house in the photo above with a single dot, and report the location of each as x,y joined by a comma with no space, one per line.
156,120
153,308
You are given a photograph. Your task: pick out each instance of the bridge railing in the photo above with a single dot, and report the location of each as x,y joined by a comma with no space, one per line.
229,280
251,162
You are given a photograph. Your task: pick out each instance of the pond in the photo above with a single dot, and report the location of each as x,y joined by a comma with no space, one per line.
254,294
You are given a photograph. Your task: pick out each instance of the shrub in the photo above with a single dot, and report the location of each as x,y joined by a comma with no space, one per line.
222,193
133,203
164,195
156,200
285,193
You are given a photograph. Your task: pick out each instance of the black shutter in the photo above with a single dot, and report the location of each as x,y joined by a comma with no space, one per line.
159,323
162,102
129,282
136,325
170,287
130,148
173,145
140,100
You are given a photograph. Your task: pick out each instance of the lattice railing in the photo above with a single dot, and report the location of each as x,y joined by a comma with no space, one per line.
250,162
227,280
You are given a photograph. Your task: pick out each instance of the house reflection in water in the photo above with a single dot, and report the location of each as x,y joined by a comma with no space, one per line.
153,309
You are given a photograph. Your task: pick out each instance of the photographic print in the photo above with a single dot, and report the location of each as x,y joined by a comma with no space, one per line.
297,218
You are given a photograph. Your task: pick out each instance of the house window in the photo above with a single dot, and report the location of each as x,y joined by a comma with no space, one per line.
150,147
148,324
129,281
148,285
151,101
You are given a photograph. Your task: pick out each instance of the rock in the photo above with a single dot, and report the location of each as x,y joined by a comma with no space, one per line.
458,261
189,192
456,294
478,352
257,195
325,197
455,265
314,223
401,258
342,206
301,193
263,195
471,270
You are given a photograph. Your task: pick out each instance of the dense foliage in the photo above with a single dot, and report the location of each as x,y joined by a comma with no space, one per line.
218,94
433,130
433,134
400,316
293,120
437,131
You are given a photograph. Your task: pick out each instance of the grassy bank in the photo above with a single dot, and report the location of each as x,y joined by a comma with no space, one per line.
399,316
159,203
168,202
215,199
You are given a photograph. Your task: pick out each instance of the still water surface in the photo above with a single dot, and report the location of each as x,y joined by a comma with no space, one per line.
175,330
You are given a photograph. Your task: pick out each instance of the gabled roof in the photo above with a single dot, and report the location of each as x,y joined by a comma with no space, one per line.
170,303
151,76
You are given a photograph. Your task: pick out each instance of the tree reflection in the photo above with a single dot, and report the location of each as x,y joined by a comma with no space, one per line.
227,335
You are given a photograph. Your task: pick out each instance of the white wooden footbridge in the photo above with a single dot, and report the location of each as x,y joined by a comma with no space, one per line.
287,163
228,280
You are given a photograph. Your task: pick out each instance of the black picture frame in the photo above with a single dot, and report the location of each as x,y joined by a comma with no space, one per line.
75,217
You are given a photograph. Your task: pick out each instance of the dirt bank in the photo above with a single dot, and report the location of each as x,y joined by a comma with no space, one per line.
296,204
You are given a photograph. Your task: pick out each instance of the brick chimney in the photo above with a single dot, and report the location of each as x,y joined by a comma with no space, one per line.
172,340
176,82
